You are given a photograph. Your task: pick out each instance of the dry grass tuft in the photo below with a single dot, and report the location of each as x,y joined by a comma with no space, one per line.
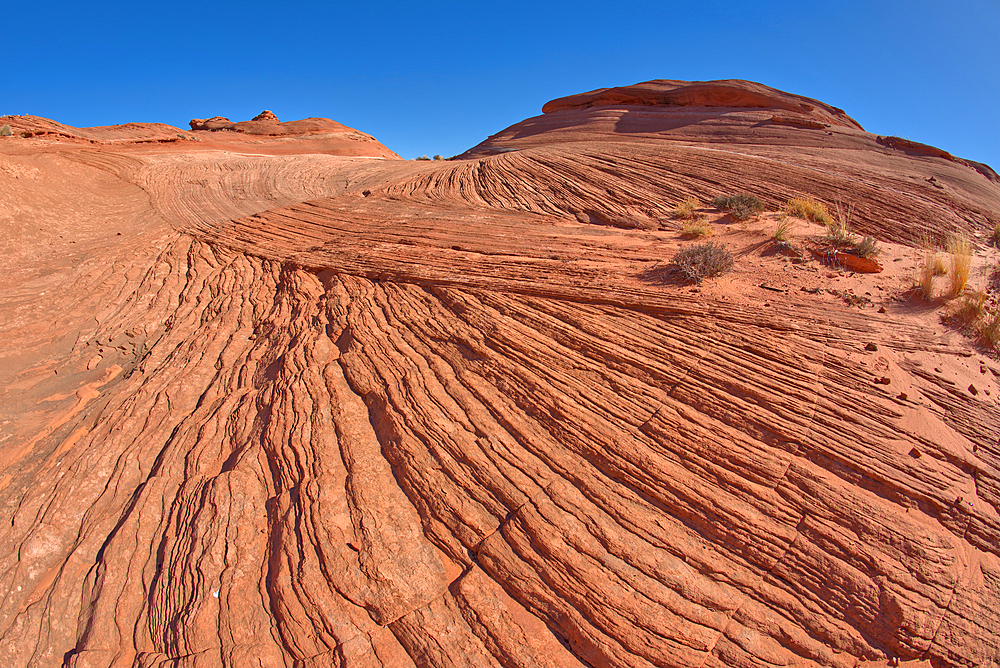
961,264
5,131
868,247
838,228
925,277
687,210
989,330
972,308
695,228
995,238
808,208
783,230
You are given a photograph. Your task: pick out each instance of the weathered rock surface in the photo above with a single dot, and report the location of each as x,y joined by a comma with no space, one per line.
273,407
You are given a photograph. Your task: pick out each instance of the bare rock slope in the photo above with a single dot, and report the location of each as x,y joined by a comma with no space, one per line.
271,402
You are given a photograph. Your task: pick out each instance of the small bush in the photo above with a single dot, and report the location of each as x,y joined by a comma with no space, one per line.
783,230
687,209
423,157
695,228
808,208
439,157
961,263
740,207
703,261
868,248
996,235
5,131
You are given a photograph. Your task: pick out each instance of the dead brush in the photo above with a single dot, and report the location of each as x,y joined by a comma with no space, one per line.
703,261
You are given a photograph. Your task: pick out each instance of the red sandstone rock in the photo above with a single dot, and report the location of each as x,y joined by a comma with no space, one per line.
274,406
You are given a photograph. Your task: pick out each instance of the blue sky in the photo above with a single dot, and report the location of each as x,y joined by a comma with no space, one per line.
433,77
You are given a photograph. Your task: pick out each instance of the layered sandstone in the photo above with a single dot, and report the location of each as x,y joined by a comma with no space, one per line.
294,407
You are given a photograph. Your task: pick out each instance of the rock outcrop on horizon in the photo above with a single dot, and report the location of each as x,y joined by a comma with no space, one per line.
284,399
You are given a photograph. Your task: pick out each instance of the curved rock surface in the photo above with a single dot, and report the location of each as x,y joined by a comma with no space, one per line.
273,407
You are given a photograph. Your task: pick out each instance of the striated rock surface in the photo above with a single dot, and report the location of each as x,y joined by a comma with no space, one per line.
284,408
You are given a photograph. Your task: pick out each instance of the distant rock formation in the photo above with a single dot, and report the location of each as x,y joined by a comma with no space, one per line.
266,115
731,93
266,123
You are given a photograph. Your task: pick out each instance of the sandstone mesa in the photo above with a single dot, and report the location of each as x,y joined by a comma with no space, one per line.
270,395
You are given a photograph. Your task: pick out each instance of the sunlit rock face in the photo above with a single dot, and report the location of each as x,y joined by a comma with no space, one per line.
273,396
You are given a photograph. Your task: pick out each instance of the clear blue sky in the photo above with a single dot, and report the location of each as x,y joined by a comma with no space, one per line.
432,77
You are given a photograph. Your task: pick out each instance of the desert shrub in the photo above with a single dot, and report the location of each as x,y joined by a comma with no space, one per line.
868,247
996,235
703,261
740,207
960,250
695,228
783,230
687,209
808,208
439,157
5,131
423,157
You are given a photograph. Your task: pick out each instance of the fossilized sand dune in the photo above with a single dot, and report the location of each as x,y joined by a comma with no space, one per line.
288,400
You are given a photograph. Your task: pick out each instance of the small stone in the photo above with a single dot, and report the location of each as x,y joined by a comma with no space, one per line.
958,500
973,390
884,380
881,309
902,395
915,453
872,347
